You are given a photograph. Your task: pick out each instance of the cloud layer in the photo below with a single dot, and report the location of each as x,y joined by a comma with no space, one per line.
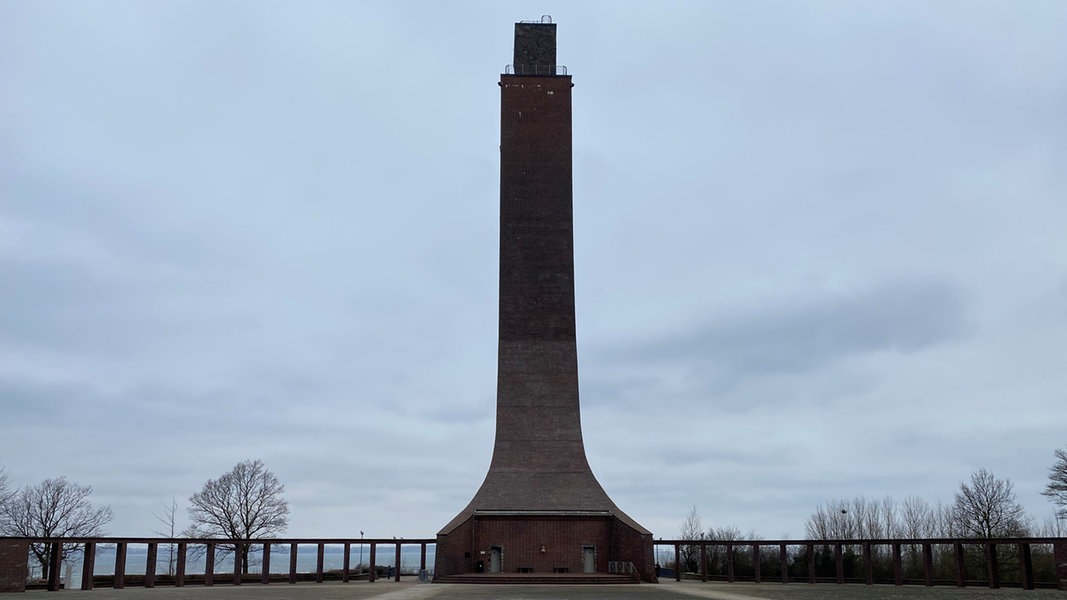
819,252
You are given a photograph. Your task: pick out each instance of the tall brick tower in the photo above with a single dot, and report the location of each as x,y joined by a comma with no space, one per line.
540,509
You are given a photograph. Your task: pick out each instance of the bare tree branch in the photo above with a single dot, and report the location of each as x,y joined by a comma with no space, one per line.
691,530
244,504
54,508
987,508
170,524
1056,490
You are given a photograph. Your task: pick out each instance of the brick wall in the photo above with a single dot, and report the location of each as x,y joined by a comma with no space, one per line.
631,545
453,552
520,540
13,565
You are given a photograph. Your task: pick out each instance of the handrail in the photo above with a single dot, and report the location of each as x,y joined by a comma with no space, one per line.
183,547
857,541
540,70
882,555
869,560
220,541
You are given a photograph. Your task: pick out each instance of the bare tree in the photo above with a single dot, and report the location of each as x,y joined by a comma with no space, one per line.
890,521
987,508
54,508
823,524
1056,490
5,493
842,520
729,533
1053,526
917,519
859,519
691,530
169,523
726,533
245,503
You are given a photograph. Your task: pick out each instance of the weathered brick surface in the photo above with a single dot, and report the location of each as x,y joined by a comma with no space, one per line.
562,538
1059,553
535,49
13,565
539,463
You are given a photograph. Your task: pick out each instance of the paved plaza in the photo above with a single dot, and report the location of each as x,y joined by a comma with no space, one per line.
669,590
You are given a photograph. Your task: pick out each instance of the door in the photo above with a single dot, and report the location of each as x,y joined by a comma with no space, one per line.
494,559
589,559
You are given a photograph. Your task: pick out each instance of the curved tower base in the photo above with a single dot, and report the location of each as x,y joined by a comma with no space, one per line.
543,542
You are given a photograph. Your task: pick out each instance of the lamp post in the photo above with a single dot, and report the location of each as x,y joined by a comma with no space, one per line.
361,550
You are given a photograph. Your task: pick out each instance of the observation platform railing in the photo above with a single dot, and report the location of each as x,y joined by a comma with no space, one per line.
1021,562
1028,563
12,547
536,70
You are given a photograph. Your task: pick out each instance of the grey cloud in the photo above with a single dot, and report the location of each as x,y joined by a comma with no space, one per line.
26,402
899,317
271,233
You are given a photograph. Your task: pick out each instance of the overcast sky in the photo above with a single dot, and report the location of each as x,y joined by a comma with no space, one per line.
821,251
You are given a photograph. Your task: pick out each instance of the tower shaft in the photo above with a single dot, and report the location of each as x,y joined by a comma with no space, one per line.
539,485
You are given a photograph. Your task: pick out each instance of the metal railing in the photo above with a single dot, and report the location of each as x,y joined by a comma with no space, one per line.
541,70
544,19
1019,562
1028,563
212,548
623,567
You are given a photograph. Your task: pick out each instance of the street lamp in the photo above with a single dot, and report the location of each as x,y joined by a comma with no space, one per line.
361,550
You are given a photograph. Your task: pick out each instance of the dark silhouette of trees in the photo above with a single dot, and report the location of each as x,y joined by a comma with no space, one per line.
919,519
53,508
5,493
1056,490
863,519
717,554
245,503
692,529
986,508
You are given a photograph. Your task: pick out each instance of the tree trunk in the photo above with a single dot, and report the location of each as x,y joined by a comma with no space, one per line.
42,553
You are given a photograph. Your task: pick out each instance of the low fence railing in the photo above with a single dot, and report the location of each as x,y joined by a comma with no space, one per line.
1021,562
206,551
1028,563
539,70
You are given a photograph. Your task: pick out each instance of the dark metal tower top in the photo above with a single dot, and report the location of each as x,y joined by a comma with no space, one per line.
535,49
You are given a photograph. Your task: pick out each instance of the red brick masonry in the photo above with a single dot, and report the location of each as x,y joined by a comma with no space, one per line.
540,508
13,565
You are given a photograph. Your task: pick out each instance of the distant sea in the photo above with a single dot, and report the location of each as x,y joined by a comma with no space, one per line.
306,560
